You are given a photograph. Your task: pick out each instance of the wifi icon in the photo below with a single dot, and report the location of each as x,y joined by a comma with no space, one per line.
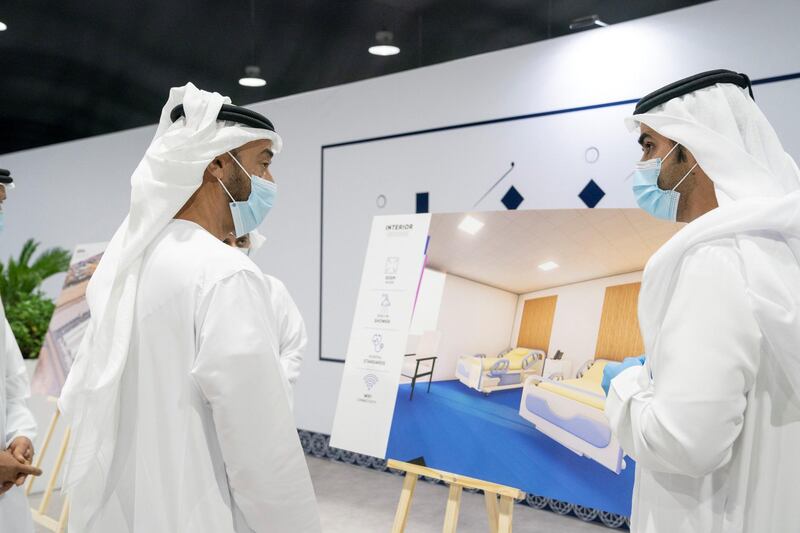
370,380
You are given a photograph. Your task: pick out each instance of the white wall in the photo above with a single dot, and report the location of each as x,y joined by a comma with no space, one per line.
577,317
473,318
78,192
426,311
429,301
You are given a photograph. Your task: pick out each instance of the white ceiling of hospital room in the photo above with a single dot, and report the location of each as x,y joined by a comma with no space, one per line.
585,243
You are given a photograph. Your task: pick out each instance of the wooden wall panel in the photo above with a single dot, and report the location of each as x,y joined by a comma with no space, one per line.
537,323
619,336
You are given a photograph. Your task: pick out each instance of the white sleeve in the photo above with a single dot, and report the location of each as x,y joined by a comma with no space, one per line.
19,419
238,373
686,418
293,337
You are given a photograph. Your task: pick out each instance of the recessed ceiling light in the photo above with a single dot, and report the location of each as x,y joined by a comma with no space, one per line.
549,265
384,44
252,82
586,22
252,77
384,50
3,26
470,225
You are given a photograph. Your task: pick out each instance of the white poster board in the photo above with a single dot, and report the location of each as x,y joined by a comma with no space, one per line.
389,285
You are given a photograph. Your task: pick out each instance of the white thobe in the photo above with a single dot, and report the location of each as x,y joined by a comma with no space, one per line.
291,328
711,420
206,439
16,420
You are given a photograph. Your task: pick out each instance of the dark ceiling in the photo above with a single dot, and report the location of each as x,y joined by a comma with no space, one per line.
73,69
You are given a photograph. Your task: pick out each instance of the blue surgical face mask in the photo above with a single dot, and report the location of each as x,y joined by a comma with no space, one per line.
656,201
248,215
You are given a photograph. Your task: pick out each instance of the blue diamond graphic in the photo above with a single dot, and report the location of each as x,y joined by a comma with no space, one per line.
512,199
591,194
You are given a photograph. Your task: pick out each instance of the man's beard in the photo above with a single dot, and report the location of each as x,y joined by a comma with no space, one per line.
238,185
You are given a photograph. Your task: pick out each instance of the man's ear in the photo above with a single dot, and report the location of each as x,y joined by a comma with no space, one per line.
214,170
685,156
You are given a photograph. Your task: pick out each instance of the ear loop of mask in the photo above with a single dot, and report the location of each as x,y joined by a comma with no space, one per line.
662,161
246,173
243,170
226,190
684,178
686,175
670,152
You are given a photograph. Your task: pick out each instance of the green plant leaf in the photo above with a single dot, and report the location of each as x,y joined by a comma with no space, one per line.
28,249
27,309
51,262
29,319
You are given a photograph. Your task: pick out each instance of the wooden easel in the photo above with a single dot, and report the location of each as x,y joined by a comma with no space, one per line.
40,514
499,515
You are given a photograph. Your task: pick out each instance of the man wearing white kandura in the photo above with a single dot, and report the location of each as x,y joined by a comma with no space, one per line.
17,425
179,407
291,328
712,417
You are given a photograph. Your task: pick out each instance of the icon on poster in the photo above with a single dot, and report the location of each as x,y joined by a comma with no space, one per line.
377,342
392,265
370,380
383,316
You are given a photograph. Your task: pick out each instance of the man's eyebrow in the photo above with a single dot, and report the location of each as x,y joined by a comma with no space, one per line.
644,136
268,151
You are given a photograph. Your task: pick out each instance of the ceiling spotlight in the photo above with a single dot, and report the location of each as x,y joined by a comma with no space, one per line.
252,77
3,26
470,225
582,23
384,44
549,265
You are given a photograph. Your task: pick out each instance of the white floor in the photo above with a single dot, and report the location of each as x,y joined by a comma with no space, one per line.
353,499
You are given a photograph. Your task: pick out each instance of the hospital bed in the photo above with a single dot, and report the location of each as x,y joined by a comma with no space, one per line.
506,371
571,412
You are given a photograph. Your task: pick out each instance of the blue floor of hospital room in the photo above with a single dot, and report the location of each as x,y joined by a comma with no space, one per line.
459,430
